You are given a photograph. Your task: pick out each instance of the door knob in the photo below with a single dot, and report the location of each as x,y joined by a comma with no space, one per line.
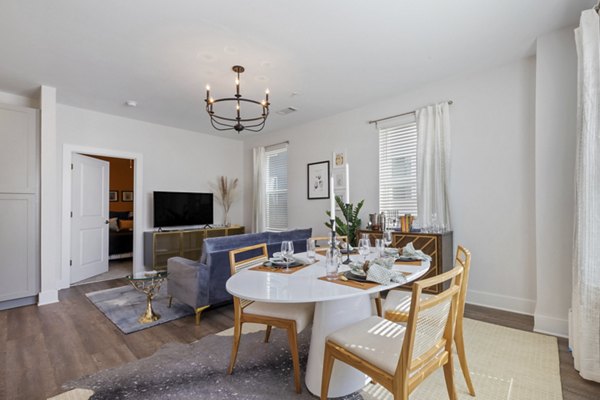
106,222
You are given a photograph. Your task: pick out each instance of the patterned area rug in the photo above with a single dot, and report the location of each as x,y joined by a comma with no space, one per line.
506,364
124,305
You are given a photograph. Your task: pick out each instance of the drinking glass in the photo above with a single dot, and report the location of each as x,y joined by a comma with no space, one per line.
387,238
310,250
287,251
380,247
364,248
332,261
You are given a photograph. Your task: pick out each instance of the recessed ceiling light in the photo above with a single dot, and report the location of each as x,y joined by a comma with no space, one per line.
261,78
131,103
230,50
265,64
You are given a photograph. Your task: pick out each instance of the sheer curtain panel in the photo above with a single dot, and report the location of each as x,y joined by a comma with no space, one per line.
584,332
259,192
433,165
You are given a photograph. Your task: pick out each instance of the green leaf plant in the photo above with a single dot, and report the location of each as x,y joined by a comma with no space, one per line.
352,223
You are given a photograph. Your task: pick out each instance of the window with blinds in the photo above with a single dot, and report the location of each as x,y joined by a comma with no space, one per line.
398,168
277,187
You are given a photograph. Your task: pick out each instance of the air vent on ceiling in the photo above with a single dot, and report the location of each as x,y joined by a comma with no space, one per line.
287,110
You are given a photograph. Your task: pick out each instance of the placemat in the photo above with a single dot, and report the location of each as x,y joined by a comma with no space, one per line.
354,284
291,270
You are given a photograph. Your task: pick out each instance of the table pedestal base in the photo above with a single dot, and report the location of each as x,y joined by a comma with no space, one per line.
329,317
149,315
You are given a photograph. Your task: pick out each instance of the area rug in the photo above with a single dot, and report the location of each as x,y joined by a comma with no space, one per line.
506,364
123,306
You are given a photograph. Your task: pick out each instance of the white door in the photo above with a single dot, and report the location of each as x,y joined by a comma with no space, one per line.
89,220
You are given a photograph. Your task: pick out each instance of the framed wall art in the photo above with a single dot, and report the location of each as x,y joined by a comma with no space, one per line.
126,195
318,180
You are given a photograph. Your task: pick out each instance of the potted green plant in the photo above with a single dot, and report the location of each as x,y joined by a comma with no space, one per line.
352,223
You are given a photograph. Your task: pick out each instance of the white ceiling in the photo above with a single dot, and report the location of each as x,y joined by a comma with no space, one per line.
336,54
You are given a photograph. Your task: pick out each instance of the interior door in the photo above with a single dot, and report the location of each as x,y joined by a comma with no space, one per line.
89,219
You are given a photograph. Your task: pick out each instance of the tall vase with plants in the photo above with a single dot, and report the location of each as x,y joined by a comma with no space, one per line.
352,223
225,193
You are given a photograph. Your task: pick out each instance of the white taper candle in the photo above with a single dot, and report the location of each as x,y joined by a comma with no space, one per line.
332,198
347,184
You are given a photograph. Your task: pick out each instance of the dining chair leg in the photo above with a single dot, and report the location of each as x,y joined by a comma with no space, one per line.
378,305
449,377
237,333
295,358
462,358
327,369
268,334
170,301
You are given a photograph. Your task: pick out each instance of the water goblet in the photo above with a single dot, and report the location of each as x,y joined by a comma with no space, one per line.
387,238
364,248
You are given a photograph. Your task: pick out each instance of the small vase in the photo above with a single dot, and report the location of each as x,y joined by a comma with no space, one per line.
226,218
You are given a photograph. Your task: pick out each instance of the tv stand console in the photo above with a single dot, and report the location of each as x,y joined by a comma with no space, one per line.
159,246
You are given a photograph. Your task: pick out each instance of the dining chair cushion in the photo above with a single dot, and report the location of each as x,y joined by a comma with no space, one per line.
375,340
302,313
398,301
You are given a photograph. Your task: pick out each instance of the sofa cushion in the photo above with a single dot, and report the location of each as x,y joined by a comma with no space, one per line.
212,245
298,236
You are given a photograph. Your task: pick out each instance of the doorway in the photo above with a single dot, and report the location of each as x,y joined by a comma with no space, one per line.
118,254
126,256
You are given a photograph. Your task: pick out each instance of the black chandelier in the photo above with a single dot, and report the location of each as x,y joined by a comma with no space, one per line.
238,123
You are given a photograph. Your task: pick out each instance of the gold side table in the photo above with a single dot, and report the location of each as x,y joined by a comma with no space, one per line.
148,282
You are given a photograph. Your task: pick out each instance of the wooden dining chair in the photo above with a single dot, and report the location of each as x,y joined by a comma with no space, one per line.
399,357
291,317
397,305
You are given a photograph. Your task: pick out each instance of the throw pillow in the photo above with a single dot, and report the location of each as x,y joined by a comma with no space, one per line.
126,224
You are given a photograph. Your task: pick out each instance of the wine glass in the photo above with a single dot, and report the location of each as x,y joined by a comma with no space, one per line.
364,248
287,251
387,238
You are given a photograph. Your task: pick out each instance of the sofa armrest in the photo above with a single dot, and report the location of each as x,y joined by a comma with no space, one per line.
188,281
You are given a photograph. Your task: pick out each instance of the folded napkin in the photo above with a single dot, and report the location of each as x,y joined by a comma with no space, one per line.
391,252
410,251
380,271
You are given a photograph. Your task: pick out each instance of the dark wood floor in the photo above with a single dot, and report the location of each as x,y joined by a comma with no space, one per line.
43,347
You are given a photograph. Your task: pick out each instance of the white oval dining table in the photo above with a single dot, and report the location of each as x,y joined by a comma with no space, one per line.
336,306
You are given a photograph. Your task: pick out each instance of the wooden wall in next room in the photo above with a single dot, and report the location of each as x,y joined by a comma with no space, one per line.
121,179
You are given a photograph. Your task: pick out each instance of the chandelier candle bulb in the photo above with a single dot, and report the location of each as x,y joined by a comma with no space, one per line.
207,92
267,96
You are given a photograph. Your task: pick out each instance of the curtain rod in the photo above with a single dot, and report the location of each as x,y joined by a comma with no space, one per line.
375,121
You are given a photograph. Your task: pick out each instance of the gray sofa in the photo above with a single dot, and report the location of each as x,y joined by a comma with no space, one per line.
201,284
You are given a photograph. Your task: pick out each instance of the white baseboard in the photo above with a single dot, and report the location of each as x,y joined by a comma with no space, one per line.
48,297
499,302
551,325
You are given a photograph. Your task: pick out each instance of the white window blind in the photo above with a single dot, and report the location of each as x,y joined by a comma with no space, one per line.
398,168
277,187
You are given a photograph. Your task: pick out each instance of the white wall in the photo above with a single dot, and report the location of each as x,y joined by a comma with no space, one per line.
555,147
173,159
492,175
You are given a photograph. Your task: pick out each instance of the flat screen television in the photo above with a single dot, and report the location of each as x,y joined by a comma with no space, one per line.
182,209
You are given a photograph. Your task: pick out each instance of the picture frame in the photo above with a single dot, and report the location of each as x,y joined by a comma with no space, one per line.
339,178
317,180
113,195
339,158
126,195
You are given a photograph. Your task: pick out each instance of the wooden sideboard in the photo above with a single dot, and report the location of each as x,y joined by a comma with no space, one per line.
437,245
159,246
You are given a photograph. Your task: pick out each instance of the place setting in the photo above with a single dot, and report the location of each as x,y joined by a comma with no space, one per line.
284,261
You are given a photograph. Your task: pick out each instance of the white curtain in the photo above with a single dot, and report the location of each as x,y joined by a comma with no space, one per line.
433,166
259,195
584,332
